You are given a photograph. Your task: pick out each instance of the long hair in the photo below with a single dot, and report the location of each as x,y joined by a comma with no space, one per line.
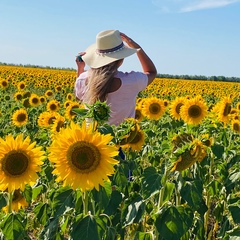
99,82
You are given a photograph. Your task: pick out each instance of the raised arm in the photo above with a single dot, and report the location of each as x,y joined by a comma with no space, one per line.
147,64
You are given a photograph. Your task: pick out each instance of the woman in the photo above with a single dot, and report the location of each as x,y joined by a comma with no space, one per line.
104,82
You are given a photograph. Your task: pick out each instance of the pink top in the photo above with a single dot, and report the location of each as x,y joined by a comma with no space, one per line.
123,101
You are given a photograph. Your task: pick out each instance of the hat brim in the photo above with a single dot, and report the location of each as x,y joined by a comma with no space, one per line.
96,60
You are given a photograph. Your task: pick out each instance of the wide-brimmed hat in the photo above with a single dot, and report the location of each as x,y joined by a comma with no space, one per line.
108,48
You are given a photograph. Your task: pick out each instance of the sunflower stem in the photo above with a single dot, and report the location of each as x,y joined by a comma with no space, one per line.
208,197
10,198
85,202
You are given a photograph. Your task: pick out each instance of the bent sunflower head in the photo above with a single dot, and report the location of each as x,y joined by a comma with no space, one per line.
83,158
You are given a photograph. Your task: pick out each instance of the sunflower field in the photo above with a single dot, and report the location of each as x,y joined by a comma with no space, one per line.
170,173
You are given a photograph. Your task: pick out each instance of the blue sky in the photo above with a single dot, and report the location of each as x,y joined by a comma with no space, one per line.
194,37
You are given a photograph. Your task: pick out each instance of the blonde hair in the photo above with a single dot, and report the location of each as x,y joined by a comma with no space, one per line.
99,82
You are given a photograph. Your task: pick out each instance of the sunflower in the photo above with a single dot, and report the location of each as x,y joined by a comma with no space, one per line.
132,137
26,103
21,86
69,113
20,117
46,119
238,106
4,83
34,100
49,93
53,105
70,96
136,142
18,96
175,107
20,161
193,111
195,152
67,103
224,110
58,123
235,126
138,114
153,108
58,88
83,158
18,201
42,99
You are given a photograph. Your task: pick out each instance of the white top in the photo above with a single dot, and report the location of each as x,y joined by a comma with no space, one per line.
123,101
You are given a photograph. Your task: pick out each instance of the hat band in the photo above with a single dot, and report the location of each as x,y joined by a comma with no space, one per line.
110,50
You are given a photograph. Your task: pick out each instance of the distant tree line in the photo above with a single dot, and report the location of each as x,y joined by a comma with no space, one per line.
201,77
186,77
34,66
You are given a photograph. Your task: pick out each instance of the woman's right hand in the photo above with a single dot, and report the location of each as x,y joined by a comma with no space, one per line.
80,64
129,41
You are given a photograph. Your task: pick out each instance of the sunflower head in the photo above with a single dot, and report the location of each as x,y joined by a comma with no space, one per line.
100,111
20,161
20,117
154,108
236,126
195,152
83,158
193,111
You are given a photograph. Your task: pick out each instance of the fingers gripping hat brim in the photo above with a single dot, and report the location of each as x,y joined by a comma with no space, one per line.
94,59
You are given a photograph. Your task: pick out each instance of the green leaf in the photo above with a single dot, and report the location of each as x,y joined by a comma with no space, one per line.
234,208
134,212
218,150
143,236
218,211
51,230
169,188
13,227
215,188
101,197
85,228
191,192
42,212
80,111
36,191
62,199
234,233
173,222
110,233
151,181
115,200
28,194
3,201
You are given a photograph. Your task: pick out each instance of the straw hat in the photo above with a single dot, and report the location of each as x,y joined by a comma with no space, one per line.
108,48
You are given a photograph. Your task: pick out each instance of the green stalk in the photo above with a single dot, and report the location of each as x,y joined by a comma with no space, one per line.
85,202
208,197
10,198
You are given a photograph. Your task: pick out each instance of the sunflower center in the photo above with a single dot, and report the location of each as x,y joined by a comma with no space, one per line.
236,127
60,124
84,157
178,108
15,163
51,120
137,138
194,111
154,108
21,117
35,101
53,107
227,109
